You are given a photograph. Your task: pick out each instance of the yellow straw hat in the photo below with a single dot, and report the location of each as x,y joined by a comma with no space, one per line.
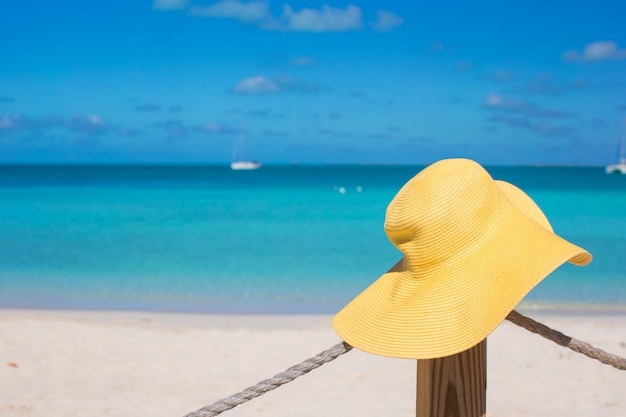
473,248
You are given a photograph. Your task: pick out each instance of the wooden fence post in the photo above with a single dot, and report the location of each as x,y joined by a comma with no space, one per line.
453,386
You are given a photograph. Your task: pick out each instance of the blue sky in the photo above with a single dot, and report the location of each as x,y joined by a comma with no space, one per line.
178,81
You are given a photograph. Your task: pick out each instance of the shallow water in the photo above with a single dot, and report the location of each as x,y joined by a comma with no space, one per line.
277,240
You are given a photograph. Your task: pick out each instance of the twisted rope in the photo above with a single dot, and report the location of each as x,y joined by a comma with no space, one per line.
566,341
341,348
272,383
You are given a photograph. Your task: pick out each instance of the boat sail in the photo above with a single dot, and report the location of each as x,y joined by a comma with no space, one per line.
238,161
621,167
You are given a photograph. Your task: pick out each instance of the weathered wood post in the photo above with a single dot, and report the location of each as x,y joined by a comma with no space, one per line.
453,386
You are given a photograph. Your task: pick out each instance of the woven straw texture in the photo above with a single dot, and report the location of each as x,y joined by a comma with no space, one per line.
473,248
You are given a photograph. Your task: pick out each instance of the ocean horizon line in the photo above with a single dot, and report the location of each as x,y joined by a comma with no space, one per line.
270,165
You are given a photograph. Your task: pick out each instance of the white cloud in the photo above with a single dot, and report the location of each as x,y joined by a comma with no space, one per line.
386,21
83,126
256,85
6,122
211,127
599,51
327,19
89,125
94,120
253,11
281,83
169,4
541,128
493,100
497,102
545,84
303,61
596,51
215,127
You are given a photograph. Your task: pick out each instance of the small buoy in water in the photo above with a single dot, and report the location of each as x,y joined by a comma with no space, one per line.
342,190
359,189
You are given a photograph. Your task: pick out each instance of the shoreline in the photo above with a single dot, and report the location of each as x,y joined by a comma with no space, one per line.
120,363
530,307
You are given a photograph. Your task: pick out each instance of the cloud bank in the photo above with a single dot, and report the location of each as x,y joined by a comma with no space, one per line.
596,51
526,115
545,84
386,21
499,103
260,85
82,126
327,19
256,85
318,20
250,12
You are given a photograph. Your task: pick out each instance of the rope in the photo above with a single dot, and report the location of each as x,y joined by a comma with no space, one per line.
341,348
566,341
272,383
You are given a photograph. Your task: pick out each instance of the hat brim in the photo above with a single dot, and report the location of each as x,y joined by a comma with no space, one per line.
459,303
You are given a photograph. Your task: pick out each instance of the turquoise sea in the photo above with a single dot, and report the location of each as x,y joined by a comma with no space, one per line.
277,240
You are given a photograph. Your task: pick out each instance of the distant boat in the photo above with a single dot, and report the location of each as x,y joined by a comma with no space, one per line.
239,163
621,167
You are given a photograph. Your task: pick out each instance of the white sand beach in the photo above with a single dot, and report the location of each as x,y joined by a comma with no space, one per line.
84,363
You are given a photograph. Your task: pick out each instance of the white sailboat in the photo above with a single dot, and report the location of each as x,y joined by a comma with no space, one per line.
621,167
238,162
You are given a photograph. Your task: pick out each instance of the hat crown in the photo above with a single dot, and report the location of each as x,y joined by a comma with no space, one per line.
444,210
473,248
